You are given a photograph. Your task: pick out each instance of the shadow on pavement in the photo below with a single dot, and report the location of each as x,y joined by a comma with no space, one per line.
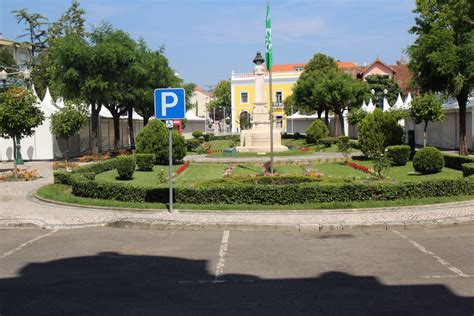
112,283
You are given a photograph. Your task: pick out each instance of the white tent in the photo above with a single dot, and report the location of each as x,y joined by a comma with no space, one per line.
399,103
386,106
408,100
370,106
364,106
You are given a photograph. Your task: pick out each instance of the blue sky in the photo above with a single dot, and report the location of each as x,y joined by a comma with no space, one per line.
206,39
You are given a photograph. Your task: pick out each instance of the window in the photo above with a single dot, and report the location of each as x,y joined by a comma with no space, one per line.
244,97
279,121
299,68
278,98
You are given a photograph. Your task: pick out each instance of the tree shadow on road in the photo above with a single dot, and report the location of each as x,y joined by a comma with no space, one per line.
113,283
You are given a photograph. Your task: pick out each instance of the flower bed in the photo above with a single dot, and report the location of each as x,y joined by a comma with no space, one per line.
182,168
358,167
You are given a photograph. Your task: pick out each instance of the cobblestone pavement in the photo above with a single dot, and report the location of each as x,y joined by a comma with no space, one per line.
17,206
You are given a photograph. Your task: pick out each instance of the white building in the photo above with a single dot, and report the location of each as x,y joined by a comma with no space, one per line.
200,99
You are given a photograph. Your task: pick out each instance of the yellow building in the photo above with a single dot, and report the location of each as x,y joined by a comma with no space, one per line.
284,78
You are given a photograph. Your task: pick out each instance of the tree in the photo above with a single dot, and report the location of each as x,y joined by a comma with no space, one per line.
427,108
381,82
67,122
221,100
442,56
189,90
34,23
338,91
19,116
70,22
304,99
7,60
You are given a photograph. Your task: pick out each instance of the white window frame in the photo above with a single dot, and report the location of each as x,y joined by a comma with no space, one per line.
276,99
241,93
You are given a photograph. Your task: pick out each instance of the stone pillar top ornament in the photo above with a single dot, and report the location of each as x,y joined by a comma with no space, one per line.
258,60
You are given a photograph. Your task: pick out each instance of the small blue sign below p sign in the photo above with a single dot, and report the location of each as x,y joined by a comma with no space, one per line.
170,104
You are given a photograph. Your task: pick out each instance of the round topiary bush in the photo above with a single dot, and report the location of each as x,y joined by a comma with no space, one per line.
428,160
145,162
125,166
197,134
192,144
153,139
398,154
316,131
468,169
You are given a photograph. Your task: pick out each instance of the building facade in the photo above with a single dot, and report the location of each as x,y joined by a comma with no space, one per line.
200,99
20,51
284,77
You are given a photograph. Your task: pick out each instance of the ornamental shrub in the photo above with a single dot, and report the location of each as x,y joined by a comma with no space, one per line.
428,160
145,162
456,161
316,131
377,131
398,154
344,146
153,139
468,169
197,133
192,144
328,141
126,166
206,137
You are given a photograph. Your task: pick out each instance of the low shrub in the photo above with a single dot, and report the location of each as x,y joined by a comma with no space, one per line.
428,160
224,137
316,131
355,144
328,141
456,161
298,135
204,149
468,169
382,166
126,167
398,154
98,167
273,180
197,133
192,144
206,137
221,192
145,162
344,146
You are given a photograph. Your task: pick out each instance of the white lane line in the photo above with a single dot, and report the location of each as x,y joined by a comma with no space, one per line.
29,242
438,258
222,252
444,276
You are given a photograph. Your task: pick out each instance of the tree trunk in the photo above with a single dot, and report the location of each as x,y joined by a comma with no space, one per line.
462,100
145,120
424,134
14,156
336,124
116,118
94,127
131,130
319,114
326,117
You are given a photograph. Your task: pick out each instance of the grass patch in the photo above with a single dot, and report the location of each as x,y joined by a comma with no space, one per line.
145,178
62,193
201,172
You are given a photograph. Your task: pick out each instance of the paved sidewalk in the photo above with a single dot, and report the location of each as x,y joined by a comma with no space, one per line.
19,207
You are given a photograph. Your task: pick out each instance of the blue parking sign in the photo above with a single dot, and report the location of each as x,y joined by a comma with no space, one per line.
170,104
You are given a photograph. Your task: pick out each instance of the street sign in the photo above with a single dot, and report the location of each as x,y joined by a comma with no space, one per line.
169,123
170,104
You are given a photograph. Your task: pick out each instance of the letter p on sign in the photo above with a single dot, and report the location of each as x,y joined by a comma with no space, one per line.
170,104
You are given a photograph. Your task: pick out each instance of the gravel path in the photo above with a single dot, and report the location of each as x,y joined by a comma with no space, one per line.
17,206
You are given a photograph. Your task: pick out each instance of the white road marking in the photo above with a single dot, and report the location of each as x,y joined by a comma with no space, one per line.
222,252
445,276
438,258
29,242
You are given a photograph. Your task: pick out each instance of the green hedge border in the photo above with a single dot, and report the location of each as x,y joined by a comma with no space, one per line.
83,184
456,162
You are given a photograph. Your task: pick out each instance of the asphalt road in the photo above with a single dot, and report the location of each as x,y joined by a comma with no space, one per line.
123,272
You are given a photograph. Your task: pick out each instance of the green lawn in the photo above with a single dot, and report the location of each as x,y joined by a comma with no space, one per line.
290,169
62,193
408,174
247,169
200,172
145,178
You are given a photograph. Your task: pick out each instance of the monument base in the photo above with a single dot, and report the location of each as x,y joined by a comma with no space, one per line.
258,141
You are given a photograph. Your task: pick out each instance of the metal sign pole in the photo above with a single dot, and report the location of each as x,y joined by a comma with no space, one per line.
170,158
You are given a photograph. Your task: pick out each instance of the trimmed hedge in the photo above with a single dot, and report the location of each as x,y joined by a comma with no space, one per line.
239,193
398,154
456,161
126,167
145,162
63,177
428,160
468,169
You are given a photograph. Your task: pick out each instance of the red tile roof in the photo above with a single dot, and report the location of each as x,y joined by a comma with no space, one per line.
209,94
292,67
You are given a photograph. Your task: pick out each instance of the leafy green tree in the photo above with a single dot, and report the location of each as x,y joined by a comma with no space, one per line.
34,29
377,131
304,98
316,131
442,56
221,100
71,22
189,90
338,91
381,82
67,122
427,108
19,116
7,60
